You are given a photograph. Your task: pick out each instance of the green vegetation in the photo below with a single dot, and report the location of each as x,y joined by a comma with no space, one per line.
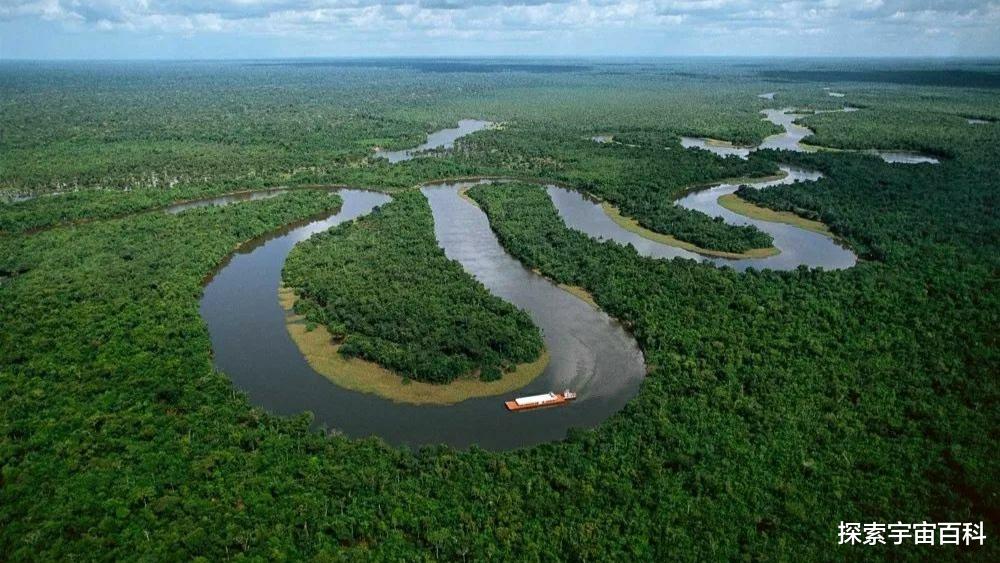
178,130
777,404
385,288
89,205
642,180
634,226
931,121
921,77
866,390
322,351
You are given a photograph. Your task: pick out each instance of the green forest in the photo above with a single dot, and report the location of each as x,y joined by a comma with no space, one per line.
384,287
776,405
202,129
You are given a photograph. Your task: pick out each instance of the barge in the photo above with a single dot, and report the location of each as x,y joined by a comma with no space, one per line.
538,401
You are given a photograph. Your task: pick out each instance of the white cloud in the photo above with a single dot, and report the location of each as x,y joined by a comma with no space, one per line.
471,19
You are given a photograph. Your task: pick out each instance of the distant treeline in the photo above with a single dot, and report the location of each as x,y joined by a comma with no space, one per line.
432,65
956,78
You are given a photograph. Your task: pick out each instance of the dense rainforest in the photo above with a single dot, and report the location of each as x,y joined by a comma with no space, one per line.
893,361
777,404
195,129
385,288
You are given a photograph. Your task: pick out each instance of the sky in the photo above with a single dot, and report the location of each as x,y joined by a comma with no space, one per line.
226,29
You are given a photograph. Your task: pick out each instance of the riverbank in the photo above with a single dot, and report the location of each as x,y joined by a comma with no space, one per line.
738,205
322,354
578,291
633,226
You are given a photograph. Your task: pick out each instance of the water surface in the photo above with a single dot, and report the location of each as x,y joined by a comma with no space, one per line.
791,140
443,139
222,200
714,146
906,157
798,246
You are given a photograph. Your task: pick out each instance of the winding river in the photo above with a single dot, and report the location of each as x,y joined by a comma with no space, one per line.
443,139
799,247
590,352
791,140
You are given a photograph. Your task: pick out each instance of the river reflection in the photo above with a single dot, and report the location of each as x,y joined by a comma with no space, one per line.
905,157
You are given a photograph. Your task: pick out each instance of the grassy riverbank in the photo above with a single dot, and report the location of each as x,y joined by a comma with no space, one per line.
725,144
633,226
736,204
322,351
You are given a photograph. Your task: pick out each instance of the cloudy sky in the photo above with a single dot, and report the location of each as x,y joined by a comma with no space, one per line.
102,29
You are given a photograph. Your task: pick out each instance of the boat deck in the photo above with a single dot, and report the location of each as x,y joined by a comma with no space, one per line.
557,399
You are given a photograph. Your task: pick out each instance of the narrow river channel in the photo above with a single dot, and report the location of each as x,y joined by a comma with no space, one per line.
799,247
791,140
442,139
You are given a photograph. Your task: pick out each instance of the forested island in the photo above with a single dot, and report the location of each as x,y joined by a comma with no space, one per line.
386,293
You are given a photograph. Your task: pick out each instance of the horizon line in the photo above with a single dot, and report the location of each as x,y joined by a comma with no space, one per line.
497,57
